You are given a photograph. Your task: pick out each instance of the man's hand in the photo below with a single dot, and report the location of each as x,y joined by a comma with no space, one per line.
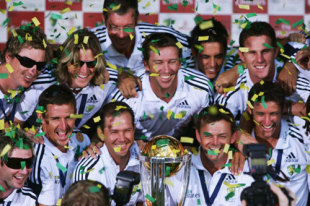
244,138
287,78
303,58
127,84
237,163
297,37
141,144
283,199
227,79
298,109
92,150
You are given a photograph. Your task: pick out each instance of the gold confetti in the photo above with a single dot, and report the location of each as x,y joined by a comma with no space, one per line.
169,114
71,30
270,162
244,6
226,148
117,149
206,25
244,49
9,67
168,182
76,116
189,140
260,7
179,45
203,38
65,10
230,155
96,119
131,36
5,150
249,104
117,124
35,21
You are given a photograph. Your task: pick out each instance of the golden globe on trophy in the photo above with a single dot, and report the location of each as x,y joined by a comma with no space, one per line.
165,170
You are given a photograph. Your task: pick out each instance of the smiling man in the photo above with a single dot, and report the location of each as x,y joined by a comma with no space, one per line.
119,152
211,182
171,95
15,167
258,53
57,157
286,141
22,60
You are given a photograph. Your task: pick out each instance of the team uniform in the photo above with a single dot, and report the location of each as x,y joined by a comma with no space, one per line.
52,169
8,105
218,187
104,170
18,197
236,101
135,62
290,157
154,116
88,101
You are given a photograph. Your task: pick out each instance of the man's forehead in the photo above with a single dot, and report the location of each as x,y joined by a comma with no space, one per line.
61,109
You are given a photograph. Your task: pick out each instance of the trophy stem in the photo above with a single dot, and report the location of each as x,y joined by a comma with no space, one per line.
157,183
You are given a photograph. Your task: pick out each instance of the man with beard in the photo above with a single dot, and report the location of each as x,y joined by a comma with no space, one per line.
57,157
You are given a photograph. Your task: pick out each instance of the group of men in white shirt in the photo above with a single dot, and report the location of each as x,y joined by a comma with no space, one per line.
170,97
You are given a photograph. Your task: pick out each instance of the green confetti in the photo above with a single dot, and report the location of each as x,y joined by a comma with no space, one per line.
297,170
294,60
155,40
18,4
101,170
207,134
128,30
229,195
24,112
268,46
150,198
198,19
167,95
231,42
185,3
2,189
280,45
39,134
162,108
263,102
141,49
20,39
198,202
22,165
94,189
4,75
227,165
211,85
167,171
173,7
215,7
189,77
167,1
6,21
198,47
270,152
211,152
143,137
144,115
56,16
39,120
301,21
61,167
250,15
162,142
284,21
240,69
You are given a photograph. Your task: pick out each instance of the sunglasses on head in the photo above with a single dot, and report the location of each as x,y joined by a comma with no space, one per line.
90,64
27,62
16,163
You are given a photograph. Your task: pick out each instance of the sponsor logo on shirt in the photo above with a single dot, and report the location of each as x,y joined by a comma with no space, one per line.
92,99
190,194
184,104
291,158
231,179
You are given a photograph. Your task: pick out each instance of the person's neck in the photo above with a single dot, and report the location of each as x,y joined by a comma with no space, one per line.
59,147
6,84
164,94
7,190
212,166
121,161
270,142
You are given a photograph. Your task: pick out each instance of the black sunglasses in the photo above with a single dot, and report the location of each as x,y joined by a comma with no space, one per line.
27,62
16,163
90,64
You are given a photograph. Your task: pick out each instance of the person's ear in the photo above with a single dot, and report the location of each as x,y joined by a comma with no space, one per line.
249,110
241,54
233,138
100,134
146,66
194,53
7,57
198,136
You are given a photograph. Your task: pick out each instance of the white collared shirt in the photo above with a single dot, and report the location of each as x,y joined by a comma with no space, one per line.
104,170
294,160
135,61
154,116
195,192
45,172
18,197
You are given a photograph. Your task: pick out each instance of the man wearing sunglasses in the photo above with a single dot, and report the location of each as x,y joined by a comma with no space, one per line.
57,157
22,60
15,167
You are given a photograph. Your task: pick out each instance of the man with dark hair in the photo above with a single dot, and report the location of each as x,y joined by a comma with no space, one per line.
259,53
121,39
211,181
171,95
209,47
118,153
15,167
288,142
23,58
57,157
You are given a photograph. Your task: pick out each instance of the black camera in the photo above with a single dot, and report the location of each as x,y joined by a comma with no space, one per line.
259,193
125,180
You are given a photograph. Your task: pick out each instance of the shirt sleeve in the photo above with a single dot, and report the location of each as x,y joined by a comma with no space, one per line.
48,194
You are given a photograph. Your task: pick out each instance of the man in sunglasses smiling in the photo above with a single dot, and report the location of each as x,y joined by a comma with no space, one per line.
15,167
22,61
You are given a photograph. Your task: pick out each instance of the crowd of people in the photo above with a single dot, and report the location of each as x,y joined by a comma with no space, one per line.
72,118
